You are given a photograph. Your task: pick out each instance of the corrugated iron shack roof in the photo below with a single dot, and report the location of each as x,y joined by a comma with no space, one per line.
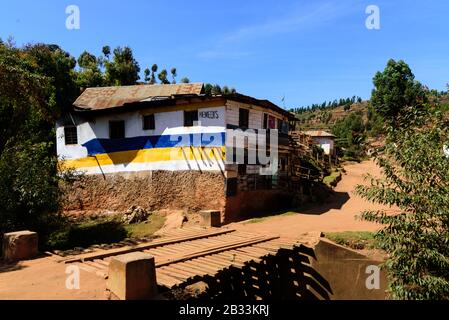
126,98
112,97
319,133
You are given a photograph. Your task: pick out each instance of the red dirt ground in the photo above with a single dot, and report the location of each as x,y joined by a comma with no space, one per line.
44,278
337,214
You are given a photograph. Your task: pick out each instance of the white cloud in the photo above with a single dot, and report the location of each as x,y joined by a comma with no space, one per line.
301,18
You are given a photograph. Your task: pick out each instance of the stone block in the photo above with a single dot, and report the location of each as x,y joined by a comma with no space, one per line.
132,276
210,218
20,245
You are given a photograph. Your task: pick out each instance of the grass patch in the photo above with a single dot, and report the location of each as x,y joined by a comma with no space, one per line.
354,239
100,231
333,178
260,219
147,228
87,234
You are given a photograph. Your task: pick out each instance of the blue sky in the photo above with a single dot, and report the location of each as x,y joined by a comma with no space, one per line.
309,51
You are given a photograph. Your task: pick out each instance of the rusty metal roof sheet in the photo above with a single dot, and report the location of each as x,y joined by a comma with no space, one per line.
318,133
111,97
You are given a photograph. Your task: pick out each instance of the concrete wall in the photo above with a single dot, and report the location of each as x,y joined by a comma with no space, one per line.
255,114
346,272
326,143
247,204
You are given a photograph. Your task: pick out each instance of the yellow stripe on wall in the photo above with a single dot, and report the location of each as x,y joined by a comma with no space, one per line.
147,155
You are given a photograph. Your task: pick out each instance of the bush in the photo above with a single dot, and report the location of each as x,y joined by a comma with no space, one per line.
416,181
86,234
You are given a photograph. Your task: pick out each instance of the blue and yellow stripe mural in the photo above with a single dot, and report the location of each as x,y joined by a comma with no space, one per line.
197,151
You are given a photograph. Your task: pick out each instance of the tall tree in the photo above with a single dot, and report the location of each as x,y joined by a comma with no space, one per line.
147,73
89,74
162,76
415,233
58,66
35,87
185,80
154,68
396,93
123,69
174,75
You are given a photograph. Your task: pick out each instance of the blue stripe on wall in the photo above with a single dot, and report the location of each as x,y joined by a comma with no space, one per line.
99,146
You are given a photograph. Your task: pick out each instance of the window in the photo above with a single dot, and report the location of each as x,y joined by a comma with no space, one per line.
117,129
241,169
284,127
148,122
70,135
265,121
190,117
279,124
243,118
231,187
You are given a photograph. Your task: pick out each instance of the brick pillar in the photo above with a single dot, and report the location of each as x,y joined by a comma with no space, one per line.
211,218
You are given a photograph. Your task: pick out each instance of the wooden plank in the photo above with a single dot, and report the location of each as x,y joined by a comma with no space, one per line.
253,252
201,267
174,269
166,280
181,278
220,260
212,250
232,259
245,257
213,264
144,246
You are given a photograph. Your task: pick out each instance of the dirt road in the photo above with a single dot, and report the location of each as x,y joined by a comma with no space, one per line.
337,214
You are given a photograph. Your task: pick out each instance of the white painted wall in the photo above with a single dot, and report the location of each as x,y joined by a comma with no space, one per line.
326,143
166,123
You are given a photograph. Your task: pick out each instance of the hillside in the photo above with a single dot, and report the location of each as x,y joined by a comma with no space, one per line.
324,119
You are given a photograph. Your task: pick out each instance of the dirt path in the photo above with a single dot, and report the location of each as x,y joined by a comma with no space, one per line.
338,214
45,279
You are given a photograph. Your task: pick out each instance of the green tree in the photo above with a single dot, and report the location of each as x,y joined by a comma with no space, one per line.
58,66
174,75
396,92
185,80
147,73
35,87
375,124
216,90
106,51
415,233
154,68
89,74
350,135
162,76
123,69
208,89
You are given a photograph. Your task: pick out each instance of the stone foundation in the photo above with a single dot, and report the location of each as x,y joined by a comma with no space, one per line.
20,245
152,190
249,204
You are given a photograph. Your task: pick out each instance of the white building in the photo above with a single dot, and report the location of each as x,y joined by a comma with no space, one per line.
323,139
170,131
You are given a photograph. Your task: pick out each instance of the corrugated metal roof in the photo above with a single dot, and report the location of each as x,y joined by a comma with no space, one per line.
318,133
110,97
